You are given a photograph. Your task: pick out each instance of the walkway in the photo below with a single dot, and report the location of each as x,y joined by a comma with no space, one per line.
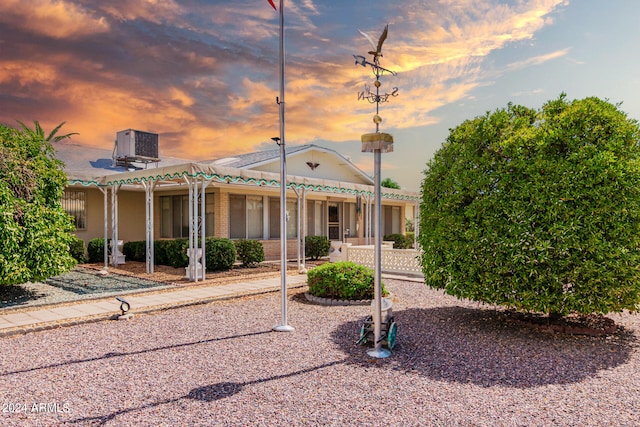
42,318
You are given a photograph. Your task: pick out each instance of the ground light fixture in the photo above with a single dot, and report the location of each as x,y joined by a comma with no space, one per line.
124,308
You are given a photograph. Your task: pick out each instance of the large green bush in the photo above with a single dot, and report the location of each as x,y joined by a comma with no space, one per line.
35,231
220,253
537,210
342,280
250,252
316,247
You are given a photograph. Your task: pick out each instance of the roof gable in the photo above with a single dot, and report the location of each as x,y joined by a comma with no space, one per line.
309,161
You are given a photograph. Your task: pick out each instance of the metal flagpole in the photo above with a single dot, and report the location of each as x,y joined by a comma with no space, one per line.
284,326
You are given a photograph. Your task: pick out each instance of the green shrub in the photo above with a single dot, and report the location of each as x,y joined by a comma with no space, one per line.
250,252
342,280
220,253
409,226
76,249
135,251
177,253
537,210
316,247
161,251
411,237
171,252
95,249
399,241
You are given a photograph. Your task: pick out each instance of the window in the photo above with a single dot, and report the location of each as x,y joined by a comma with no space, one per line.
255,219
274,218
174,215
371,225
246,217
315,218
208,215
75,204
350,220
391,219
237,217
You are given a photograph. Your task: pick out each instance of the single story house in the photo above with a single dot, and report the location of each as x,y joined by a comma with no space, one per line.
144,198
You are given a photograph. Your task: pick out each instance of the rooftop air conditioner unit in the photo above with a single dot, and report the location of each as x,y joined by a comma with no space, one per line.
135,144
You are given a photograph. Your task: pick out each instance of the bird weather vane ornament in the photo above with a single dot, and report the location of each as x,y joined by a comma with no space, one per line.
377,52
375,97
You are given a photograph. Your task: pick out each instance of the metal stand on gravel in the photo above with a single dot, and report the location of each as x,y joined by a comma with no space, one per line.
388,328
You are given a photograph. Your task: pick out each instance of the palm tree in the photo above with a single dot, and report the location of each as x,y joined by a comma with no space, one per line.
38,132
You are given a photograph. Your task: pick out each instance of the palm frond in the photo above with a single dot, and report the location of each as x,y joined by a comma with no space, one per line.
54,138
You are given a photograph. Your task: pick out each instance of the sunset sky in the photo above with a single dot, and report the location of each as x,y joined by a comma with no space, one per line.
204,74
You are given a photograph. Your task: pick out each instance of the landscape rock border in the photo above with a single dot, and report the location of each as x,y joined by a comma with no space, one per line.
331,302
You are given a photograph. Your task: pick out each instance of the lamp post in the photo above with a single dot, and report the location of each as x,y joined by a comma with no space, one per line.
377,143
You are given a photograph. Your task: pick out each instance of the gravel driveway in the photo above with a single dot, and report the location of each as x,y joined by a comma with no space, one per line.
455,364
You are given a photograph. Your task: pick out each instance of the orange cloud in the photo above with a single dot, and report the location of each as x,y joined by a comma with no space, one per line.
156,11
27,72
439,53
57,19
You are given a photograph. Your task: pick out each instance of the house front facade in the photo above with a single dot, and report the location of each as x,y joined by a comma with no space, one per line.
145,199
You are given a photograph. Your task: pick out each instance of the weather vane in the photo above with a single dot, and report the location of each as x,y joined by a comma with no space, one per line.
375,97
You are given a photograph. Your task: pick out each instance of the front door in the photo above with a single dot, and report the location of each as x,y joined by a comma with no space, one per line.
334,221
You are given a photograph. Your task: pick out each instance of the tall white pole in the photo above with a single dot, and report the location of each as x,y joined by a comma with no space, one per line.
106,228
284,326
377,351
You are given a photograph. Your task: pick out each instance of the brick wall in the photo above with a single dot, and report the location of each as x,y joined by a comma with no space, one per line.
272,249
221,214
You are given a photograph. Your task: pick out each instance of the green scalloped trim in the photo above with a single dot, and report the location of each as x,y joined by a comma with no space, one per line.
238,179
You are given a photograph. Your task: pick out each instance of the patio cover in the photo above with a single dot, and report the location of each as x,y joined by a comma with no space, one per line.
175,174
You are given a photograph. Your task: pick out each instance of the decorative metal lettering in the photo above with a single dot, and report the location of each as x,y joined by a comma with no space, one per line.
375,97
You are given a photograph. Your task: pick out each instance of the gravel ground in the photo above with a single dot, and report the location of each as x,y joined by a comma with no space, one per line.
78,284
85,282
455,364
